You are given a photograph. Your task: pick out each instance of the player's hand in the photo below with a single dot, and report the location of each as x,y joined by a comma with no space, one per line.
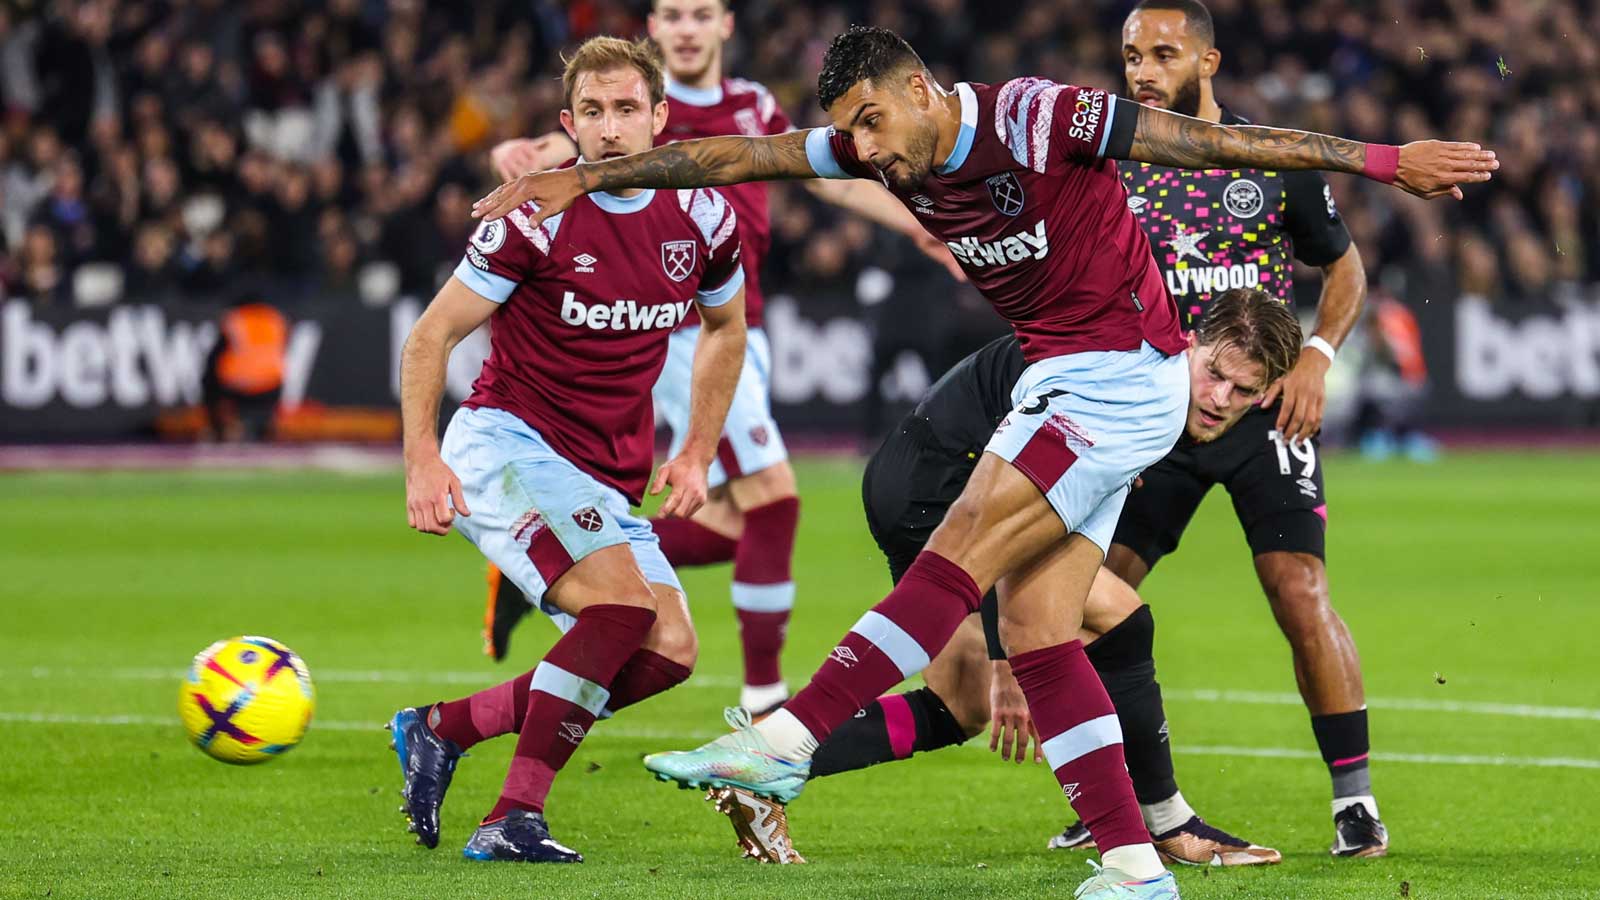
935,249
520,156
1431,169
551,192
433,496
1009,722
687,478
1305,396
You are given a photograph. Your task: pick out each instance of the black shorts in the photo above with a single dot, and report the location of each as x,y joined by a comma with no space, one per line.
909,484
1276,489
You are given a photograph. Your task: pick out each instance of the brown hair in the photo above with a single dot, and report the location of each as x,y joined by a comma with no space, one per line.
599,54
1262,328
727,5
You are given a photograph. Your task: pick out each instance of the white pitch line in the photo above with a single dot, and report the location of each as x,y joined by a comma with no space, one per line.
1433,759
1411,704
716,682
331,676
375,728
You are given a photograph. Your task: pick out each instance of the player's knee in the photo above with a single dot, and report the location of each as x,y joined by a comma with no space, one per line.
675,639
634,592
1014,634
770,485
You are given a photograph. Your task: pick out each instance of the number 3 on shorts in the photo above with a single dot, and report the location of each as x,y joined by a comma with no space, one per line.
1301,450
1040,403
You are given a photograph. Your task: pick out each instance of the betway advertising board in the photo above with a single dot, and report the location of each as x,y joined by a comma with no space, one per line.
74,375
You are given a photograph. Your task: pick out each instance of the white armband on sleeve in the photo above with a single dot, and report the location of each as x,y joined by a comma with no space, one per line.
820,155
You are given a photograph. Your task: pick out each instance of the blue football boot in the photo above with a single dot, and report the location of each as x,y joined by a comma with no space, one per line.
520,836
427,762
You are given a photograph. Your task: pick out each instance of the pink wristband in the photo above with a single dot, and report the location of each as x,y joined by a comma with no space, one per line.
1383,161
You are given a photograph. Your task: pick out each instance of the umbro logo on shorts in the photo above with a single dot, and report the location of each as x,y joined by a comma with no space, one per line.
588,519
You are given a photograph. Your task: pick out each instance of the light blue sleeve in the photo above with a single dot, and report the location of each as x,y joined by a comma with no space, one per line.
721,295
821,157
485,284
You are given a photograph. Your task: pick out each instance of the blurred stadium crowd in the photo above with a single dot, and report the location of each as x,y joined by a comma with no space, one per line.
202,147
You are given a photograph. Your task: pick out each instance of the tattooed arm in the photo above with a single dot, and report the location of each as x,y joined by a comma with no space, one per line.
707,162
1425,168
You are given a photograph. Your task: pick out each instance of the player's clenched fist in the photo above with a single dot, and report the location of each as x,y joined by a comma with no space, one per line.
433,496
1433,169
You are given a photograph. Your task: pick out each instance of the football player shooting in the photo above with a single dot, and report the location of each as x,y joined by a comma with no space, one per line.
1269,463
542,462
753,511
1104,395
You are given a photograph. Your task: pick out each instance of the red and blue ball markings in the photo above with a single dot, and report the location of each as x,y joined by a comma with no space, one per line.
222,719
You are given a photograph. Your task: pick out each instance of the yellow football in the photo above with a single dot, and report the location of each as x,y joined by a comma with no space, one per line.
246,700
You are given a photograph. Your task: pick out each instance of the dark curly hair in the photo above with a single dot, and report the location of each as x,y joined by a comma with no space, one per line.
859,54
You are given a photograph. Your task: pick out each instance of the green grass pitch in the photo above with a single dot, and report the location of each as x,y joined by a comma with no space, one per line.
1471,586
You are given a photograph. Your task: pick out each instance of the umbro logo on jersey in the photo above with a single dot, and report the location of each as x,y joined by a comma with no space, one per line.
622,315
585,262
844,656
1032,243
1136,203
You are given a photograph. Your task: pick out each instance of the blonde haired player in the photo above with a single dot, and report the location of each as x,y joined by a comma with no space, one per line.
541,464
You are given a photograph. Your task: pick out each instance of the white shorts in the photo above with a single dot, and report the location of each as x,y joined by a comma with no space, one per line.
750,438
534,514
1086,424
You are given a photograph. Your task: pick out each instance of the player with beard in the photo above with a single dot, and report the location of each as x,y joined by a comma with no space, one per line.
753,510
1212,230
1000,173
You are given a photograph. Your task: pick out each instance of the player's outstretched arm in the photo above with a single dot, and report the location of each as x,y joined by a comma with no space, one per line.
1427,169
706,162
433,492
718,359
